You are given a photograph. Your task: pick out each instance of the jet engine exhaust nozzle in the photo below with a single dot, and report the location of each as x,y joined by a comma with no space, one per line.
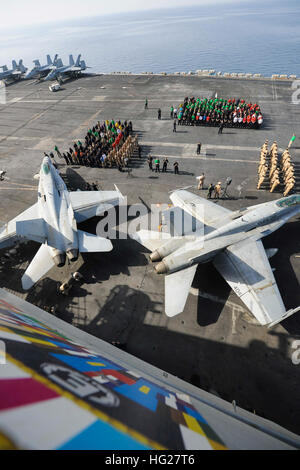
60,260
155,256
161,268
72,255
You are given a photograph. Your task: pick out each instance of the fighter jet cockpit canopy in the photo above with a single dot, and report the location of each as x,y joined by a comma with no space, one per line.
289,201
46,168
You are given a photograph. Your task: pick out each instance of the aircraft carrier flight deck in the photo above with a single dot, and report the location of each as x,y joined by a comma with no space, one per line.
216,343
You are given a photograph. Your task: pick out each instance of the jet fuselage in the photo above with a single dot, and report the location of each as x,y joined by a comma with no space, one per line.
56,211
13,74
39,72
253,222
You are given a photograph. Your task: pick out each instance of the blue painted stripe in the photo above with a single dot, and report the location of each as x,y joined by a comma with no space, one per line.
149,400
81,364
102,436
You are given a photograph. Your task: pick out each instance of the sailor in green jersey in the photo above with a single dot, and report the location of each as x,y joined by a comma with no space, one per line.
57,151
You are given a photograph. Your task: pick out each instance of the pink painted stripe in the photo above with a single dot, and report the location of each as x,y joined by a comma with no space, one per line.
20,392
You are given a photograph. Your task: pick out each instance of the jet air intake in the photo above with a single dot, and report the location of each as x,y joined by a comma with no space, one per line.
72,255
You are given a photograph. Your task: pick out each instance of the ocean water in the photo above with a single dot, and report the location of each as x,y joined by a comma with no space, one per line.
245,36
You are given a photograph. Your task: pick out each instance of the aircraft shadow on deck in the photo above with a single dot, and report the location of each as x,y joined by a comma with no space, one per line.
73,179
74,79
287,240
233,372
208,280
13,266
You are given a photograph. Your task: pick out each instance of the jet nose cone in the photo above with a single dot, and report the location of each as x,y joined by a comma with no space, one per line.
161,268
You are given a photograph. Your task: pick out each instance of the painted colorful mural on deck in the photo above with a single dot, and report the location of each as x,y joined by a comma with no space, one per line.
57,394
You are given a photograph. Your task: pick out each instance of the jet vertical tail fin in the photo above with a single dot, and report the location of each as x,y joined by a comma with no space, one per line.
39,266
83,65
21,66
14,65
78,61
71,60
49,60
37,62
177,287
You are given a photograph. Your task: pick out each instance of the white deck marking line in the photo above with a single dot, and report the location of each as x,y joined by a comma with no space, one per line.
209,146
216,299
95,99
17,138
202,158
206,146
40,101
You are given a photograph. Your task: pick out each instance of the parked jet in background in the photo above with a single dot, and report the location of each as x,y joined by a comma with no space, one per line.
232,241
71,70
41,71
52,221
16,73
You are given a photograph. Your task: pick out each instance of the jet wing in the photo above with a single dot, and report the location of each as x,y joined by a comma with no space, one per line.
177,287
179,222
27,224
202,209
87,204
150,239
246,268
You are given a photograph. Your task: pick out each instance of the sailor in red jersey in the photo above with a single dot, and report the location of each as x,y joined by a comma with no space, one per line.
253,120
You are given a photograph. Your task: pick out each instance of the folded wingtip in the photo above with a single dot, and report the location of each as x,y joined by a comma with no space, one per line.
288,314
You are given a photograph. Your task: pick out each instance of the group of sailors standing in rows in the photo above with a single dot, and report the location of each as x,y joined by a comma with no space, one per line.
270,166
106,145
217,112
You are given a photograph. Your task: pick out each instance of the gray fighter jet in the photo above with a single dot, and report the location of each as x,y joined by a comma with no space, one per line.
232,241
52,221
72,70
16,73
41,71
